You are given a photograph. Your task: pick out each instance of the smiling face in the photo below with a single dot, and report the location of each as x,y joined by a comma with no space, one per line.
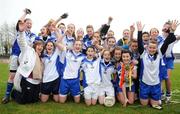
166,27
96,38
106,56
154,32
145,38
90,53
62,27
28,23
126,34
77,46
111,42
134,46
51,27
90,30
70,29
110,33
38,46
80,33
117,55
44,31
152,48
126,58
49,48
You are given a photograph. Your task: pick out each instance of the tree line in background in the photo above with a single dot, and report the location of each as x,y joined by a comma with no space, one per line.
7,37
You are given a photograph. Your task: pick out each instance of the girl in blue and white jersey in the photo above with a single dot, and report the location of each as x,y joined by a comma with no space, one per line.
92,76
107,69
150,87
51,79
71,61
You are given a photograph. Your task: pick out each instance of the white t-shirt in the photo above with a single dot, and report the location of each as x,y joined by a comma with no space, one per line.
68,41
92,71
50,71
106,71
72,62
150,68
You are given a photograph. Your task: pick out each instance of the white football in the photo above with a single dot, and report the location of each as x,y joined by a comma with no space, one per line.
109,101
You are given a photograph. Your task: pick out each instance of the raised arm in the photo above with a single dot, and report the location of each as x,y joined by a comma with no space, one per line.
132,29
22,18
104,29
59,43
140,41
26,12
21,36
171,37
58,35
63,16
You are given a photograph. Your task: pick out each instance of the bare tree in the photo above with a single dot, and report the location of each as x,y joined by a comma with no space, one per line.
7,35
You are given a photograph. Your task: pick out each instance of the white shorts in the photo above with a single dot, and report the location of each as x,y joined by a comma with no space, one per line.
13,63
106,90
91,92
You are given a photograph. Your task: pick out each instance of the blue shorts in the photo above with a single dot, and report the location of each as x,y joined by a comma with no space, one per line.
50,87
169,63
70,85
149,91
163,73
118,89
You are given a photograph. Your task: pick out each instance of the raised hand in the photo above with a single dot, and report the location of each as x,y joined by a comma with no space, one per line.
27,11
174,25
139,26
132,28
65,15
110,20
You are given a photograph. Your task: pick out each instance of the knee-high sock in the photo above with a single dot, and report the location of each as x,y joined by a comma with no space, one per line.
9,89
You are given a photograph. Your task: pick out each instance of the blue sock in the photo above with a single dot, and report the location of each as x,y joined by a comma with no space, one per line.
9,89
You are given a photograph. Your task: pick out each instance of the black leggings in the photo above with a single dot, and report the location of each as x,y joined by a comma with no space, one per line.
29,94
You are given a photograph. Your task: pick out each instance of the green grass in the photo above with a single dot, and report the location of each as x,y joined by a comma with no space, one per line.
72,108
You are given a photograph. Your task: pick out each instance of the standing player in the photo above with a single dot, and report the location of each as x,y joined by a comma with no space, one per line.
150,86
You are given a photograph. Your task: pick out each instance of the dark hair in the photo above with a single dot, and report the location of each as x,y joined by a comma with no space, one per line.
115,48
17,25
126,51
49,41
90,47
168,22
133,41
146,33
60,24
